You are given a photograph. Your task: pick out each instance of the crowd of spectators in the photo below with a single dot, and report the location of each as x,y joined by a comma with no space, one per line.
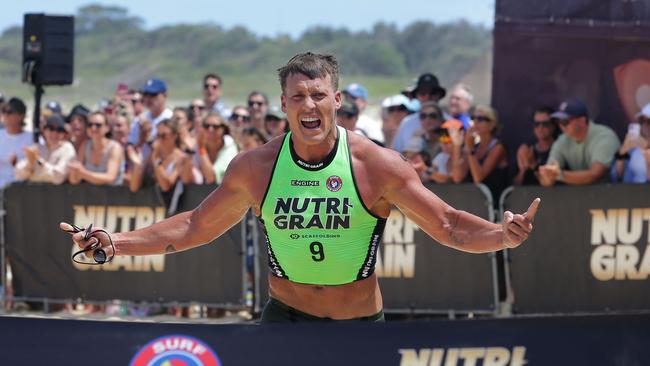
137,140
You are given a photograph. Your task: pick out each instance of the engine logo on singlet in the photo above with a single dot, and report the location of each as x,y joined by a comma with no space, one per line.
334,183
176,350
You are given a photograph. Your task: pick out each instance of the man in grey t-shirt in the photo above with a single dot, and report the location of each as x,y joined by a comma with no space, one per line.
583,153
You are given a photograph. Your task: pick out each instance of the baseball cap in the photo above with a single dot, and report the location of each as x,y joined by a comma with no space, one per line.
349,107
275,112
154,86
78,110
356,90
571,108
396,100
16,105
645,112
54,106
55,120
429,82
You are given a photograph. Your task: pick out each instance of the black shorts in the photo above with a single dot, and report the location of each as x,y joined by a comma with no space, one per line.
278,312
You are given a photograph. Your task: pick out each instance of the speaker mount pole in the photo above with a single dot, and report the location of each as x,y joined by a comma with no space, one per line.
36,122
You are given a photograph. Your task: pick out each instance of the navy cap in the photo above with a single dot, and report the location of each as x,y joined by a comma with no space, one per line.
356,90
79,110
55,120
16,105
571,108
154,86
53,106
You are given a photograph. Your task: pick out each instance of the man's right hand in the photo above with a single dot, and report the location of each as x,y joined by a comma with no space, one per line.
97,234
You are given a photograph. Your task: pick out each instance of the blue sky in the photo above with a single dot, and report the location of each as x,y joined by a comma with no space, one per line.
272,17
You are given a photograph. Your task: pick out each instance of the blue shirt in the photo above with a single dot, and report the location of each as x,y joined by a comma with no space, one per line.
635,170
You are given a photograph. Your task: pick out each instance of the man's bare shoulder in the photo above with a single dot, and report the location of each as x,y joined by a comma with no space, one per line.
376,158
248,167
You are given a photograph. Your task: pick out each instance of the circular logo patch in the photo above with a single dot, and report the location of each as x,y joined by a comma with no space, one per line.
173,350
334,183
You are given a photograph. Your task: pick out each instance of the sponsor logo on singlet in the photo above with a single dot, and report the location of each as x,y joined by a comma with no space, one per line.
334,183
304,183
293,213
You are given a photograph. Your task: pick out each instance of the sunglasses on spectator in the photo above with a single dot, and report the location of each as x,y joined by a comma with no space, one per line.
163,135
429,116
482,119
136,101
643,120
210,86
445,139
8,111
239,117
397,108
150,94
428,94
546,123
255,104
564,122
213,126
94,125
55,129
200,107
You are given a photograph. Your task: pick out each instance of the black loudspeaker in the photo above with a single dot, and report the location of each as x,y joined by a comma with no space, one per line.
48,49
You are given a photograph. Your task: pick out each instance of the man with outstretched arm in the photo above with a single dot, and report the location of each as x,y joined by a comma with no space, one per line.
323,196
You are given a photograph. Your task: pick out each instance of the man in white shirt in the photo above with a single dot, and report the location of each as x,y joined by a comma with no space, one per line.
358,94
212,92
47,162
155,98
12,139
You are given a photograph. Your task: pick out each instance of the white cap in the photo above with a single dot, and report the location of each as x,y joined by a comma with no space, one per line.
396,100
645,112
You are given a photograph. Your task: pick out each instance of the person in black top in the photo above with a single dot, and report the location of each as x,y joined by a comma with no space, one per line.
535,153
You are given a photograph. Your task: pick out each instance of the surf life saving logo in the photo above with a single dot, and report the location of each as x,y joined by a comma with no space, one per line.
334,183
176,350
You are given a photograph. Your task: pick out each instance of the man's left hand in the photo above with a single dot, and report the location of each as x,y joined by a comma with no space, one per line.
516,228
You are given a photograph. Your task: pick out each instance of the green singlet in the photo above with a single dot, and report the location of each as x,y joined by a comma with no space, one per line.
318,231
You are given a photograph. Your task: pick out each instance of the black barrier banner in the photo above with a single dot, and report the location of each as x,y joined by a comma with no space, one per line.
588,252
40,253
417,273
536,64
571,340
